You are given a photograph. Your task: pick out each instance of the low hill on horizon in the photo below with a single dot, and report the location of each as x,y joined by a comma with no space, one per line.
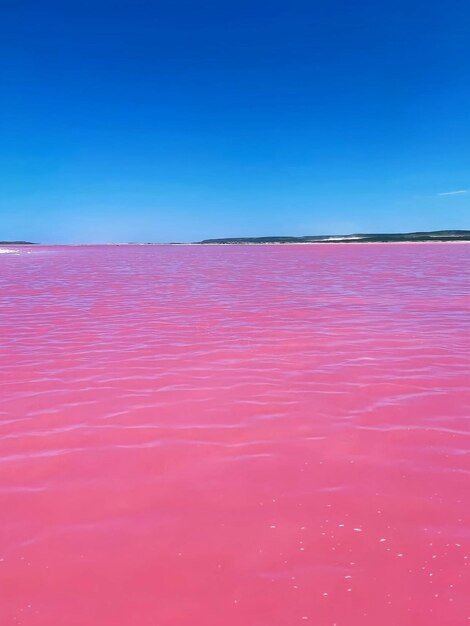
436,235
17,243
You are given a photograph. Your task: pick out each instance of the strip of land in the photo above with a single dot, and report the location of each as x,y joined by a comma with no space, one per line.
436,235
16,243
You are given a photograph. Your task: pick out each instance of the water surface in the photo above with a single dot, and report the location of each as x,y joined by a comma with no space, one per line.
239,435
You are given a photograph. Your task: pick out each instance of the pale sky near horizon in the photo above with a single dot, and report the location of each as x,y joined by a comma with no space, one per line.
178,121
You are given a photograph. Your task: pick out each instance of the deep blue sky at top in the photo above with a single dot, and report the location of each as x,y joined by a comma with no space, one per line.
145,120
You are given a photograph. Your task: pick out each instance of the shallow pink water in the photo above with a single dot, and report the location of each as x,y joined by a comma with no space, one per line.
247,436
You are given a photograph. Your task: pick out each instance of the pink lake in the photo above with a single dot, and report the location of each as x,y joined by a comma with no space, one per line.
235,435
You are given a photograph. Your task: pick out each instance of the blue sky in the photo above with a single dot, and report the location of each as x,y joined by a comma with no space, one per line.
175,121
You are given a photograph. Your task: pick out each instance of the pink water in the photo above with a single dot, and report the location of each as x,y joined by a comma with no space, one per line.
245,436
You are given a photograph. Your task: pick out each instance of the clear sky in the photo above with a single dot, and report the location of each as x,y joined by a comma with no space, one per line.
146,120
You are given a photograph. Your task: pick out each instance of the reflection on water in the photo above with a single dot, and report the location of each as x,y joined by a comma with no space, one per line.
258,435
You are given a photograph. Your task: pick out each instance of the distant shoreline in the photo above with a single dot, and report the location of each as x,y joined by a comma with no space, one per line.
318,243
415,237
438,236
